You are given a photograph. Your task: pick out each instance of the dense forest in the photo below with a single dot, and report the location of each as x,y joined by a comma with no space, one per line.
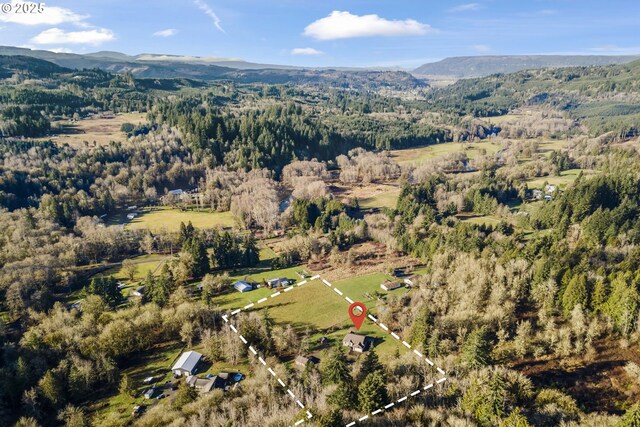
521,236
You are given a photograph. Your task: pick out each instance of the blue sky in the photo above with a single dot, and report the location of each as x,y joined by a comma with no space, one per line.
403,33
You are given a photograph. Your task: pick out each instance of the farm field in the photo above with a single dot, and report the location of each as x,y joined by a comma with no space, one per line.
158,218
566,177
100,130
386,199
417,156
370,196
330,317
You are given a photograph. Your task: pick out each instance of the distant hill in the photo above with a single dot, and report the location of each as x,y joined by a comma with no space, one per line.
604,98
33,67
202,68
480,66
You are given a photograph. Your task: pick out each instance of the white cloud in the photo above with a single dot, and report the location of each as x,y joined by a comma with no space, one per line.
468,7
51,15
166,33
305,51
210,13
59,36
60,50
481,48
344,25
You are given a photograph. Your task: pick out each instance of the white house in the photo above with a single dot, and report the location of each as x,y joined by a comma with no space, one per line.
186,364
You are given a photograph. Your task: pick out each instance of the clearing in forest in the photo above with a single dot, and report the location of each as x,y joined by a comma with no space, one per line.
158,218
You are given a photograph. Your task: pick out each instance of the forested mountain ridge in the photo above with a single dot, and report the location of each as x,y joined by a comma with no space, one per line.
480,66
604,98
157,67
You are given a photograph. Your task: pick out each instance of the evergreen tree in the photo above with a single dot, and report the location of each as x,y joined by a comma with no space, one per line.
336,370
631,418
372,393
251,252
125,387
370,365
107,288
199,257
187,232
623,302
420,328
575,293
332,419
345,396
476,351
515,419
52,388
600,294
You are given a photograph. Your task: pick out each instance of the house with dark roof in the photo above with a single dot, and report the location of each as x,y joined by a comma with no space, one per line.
205,385
356,342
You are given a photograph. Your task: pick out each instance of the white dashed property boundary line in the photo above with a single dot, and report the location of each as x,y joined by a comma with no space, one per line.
374,320
269,369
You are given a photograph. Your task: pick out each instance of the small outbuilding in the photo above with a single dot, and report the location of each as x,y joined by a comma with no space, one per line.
186,364
242,286
304,361
278,282
149,393
139,292
390,285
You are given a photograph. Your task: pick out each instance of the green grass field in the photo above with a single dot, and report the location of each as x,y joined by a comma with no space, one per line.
566,177
479,219
417,156
317,309
234,299
158,218
388,199
144,264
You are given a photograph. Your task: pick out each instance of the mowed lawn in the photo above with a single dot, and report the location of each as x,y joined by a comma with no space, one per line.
158,218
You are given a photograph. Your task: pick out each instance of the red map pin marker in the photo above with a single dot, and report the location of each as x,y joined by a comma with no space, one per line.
357,312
